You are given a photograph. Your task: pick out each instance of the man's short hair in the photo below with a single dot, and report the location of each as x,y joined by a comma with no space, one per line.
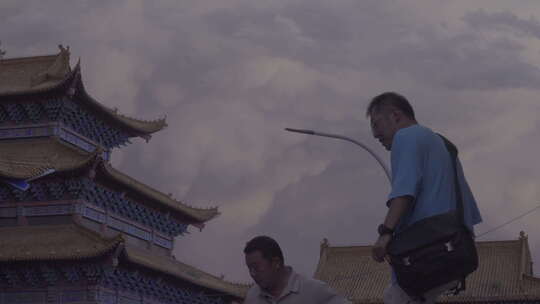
268,247
390,99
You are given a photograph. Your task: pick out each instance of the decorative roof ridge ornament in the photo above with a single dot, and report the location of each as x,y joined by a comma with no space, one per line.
116,255
57,71
324,245
72,89
97,159
2,52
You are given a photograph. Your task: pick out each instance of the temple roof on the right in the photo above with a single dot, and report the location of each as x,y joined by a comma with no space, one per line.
504,273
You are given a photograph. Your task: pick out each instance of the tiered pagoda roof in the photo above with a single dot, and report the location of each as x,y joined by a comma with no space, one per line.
74,242
504,273
28,158
32,157
52,74
54,242
78,207
184,271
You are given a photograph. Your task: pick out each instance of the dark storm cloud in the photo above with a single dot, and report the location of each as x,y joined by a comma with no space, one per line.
231,74
464,61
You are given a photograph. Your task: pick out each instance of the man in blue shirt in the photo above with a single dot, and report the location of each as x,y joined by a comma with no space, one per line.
422,179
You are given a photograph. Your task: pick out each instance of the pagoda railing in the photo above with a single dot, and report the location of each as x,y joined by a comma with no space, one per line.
90,212
86,189
51,129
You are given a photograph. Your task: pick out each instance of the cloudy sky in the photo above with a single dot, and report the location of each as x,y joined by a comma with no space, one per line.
230,75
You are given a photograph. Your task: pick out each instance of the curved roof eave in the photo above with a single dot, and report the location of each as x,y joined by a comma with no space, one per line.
34,162
139,127
185,272
40,155
199,215
54,242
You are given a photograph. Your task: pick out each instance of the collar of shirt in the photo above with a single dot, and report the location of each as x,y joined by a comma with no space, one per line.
293,286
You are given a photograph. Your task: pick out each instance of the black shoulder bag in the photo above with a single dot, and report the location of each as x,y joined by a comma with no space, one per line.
436,250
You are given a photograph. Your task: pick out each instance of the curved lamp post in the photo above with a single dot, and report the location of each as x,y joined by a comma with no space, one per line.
311,132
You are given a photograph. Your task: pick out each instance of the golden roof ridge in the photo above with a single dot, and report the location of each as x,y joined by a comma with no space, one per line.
183,271
18,242
15,60
30,168
36,74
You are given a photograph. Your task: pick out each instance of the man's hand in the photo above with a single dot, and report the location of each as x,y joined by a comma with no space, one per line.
379,248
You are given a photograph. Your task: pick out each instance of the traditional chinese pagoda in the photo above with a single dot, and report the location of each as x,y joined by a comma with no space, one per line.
73,229
504,274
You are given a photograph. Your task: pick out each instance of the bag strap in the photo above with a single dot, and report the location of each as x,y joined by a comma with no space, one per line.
459,199
452,149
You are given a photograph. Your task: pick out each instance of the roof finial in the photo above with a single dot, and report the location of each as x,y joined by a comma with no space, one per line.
324,243
63,49
522,235
2,52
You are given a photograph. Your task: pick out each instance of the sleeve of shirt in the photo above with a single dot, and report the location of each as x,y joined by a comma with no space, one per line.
326,295
406,160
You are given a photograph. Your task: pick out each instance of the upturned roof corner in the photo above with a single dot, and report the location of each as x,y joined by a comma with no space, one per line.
53,74
184,271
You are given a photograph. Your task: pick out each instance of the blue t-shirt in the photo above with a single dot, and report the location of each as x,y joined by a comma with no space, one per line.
422,168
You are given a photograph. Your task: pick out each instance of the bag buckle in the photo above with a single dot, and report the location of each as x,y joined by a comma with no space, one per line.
449,246
407,261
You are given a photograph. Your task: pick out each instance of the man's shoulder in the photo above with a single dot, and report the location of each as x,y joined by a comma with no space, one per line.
311,282
315,287
415,130
417,134
253,293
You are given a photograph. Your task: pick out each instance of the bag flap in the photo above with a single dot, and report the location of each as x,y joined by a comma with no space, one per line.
425,232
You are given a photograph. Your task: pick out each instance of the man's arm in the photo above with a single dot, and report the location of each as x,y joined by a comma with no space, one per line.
398,207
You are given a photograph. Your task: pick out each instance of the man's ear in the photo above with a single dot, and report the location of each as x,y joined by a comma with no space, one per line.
276,263
396,115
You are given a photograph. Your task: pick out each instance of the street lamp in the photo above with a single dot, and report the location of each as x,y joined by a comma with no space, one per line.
311,132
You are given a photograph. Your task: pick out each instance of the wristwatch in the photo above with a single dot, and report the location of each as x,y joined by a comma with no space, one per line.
382,229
